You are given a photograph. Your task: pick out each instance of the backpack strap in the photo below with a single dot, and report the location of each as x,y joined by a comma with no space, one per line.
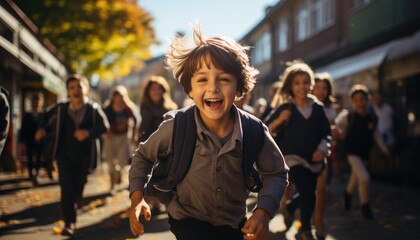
253,140
183,144
170,171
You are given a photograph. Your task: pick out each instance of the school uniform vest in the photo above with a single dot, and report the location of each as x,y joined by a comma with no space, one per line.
302,136
359,139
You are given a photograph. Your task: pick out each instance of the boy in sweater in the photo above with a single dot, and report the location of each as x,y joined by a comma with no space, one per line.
78,124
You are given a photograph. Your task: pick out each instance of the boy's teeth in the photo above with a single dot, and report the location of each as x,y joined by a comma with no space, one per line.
213,102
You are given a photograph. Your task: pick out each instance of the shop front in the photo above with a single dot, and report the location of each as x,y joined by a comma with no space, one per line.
392,69
400,74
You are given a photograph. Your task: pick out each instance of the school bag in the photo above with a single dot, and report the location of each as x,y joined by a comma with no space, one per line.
170,171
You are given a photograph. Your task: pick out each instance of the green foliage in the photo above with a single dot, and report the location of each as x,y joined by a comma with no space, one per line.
104,37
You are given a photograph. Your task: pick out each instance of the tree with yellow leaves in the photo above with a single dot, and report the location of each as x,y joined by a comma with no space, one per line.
105,37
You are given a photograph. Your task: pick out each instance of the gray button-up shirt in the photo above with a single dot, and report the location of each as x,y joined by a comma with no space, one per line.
213,189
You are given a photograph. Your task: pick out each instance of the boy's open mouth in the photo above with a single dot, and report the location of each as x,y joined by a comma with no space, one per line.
213,102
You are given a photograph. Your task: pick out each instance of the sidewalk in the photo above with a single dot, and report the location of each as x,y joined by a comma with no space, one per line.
34,212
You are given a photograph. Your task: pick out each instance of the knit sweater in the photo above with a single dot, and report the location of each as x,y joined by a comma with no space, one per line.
301,136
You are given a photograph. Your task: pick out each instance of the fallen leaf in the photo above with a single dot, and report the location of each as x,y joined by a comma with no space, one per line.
57,230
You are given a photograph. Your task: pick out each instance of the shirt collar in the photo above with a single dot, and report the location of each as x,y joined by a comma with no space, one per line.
85,101
311,99
237,129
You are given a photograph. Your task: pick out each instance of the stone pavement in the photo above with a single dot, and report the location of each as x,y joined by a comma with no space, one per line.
28,212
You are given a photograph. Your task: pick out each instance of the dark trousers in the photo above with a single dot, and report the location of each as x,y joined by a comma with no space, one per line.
72,178
192,229
31,150
305,182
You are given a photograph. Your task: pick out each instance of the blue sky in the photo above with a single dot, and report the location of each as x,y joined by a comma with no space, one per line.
233,18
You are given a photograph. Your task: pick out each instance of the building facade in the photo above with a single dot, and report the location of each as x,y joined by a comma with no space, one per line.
28,63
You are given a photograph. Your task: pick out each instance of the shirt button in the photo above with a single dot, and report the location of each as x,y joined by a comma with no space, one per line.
218,189
218,169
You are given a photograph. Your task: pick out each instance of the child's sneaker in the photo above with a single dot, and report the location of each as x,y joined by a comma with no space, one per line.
69,230
366,211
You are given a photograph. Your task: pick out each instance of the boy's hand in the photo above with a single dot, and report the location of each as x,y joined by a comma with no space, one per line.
284,117
134,216
318,156
386,152
257,226
81,135
40,134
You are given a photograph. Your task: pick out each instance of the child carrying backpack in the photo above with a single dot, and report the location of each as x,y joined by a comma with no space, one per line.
209,202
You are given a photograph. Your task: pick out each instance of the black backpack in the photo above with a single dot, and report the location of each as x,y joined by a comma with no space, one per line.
170,171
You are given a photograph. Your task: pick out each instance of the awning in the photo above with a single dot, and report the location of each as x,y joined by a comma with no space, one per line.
403,59
359,62
405,47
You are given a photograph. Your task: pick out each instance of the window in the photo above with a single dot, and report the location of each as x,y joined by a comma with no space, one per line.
328,13
262,51
312,17
283,31
302,29
316,15
26,50
42,62
6,32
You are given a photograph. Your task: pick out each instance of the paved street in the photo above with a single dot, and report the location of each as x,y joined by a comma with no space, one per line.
28,212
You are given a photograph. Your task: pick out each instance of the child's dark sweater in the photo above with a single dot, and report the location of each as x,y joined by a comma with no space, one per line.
359,139
301,136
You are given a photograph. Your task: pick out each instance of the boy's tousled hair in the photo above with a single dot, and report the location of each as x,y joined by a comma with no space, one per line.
223,52
78,77
359,88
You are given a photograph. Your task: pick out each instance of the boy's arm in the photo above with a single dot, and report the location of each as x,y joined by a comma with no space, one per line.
147,153
341,123
142,162
45,117
273,171
380,142
101,124
324,145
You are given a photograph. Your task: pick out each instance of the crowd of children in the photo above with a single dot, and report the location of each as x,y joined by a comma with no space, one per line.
298,129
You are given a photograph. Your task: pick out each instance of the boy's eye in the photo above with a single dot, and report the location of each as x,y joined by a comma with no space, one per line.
201,80
226,78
